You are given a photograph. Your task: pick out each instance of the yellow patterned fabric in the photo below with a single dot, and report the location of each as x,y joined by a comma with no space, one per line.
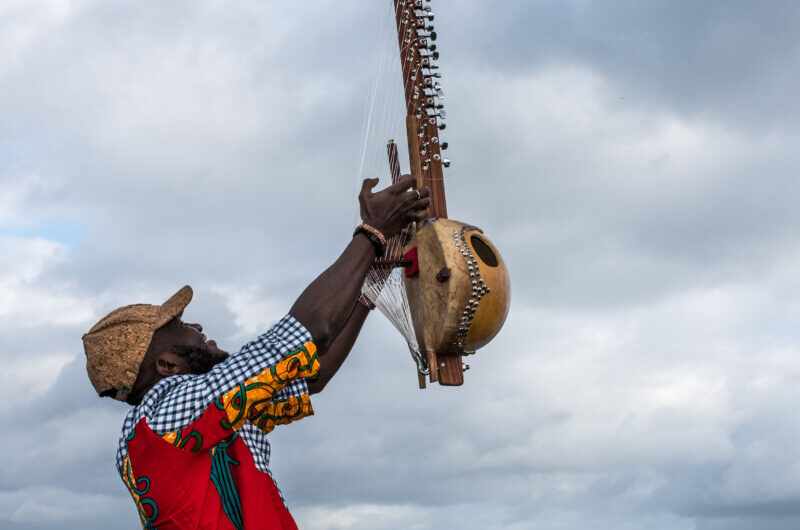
253,399
136,489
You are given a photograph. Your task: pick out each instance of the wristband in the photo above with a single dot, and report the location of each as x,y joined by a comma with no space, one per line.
374,235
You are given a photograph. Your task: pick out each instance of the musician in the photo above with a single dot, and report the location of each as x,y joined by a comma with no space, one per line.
193,450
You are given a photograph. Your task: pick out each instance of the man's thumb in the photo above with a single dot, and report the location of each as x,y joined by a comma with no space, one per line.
366,187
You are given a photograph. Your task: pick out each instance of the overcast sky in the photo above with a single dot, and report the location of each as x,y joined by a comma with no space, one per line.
635,162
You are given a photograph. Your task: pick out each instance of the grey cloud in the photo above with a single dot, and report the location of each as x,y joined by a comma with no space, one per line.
730,61
649,231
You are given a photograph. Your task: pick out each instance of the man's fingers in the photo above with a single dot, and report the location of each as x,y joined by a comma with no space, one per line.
418,215
416,195
420,193
418,210
405,182
421,204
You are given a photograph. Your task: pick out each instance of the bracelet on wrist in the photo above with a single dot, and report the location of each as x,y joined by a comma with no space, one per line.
375,236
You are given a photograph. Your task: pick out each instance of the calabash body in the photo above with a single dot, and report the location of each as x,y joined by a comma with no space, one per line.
461,293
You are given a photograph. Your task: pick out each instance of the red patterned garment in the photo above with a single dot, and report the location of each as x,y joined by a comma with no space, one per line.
210,470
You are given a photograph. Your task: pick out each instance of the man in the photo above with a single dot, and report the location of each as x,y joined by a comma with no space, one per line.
193,450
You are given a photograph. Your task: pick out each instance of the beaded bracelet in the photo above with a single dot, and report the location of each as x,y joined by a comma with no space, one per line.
374,235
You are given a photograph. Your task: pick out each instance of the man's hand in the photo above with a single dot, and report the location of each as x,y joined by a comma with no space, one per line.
392,209
326,304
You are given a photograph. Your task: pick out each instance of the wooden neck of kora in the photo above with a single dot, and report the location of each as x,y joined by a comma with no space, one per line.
423,97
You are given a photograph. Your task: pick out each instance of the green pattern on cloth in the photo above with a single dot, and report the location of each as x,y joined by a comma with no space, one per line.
222,478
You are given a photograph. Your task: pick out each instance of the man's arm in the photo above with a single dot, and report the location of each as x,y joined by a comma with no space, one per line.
332,358
326,304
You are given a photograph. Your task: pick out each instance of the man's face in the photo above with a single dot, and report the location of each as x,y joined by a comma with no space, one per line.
187,346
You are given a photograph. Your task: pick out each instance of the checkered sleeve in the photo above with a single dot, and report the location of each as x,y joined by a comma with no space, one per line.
259,358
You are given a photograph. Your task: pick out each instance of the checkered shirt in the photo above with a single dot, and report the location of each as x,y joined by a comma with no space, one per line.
177,401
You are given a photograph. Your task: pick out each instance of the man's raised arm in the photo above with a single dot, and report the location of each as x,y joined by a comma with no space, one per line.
326,304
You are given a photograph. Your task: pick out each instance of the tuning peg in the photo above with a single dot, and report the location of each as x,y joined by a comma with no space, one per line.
435,56
430,111
443,145
442,126
445,163
426,72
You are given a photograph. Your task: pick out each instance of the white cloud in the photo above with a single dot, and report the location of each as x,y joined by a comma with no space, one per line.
30,302
26,295
254,312
14,194
27,376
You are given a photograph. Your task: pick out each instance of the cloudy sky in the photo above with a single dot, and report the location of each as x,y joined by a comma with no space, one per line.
633,161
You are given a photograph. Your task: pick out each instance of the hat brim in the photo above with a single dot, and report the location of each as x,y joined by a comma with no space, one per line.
174,306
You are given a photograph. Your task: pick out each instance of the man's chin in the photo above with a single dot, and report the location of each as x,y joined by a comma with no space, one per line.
216,358
215,350
210,361
221,357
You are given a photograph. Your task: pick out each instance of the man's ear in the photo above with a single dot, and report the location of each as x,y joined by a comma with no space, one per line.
166,367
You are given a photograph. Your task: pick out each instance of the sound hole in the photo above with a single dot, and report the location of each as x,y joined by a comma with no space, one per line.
483,251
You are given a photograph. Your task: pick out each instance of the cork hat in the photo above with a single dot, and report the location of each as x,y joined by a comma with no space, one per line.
115,346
